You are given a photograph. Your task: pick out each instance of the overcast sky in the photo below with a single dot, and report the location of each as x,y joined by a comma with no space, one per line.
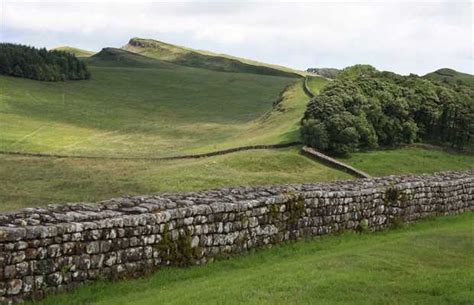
398,36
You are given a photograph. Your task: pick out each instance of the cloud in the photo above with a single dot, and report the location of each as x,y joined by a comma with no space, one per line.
403,37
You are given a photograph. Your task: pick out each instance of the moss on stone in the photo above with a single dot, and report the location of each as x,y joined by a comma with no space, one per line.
178,252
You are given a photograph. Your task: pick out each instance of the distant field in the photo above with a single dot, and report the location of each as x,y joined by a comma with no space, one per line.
134,111
32,181
425,263
451,76
316,83
75,51
205,59
409,160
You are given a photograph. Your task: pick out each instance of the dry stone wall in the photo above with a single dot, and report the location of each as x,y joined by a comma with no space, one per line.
44,250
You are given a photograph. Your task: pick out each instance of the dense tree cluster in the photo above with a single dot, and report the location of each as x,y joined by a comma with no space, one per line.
40,64
364,109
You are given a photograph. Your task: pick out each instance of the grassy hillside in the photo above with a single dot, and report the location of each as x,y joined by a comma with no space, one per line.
202,59
425,263
126,110
451,76
76,51
136,106
316,83
113,57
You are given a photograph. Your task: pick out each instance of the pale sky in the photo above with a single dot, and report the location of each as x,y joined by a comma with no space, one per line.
400,36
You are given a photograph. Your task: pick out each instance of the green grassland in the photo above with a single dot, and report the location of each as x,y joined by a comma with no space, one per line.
136,106
113,57
33,181
315,83
425,263
76,51
130,111
409,160
140,107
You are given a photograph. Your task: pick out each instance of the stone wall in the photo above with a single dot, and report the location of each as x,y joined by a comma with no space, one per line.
44,250
313,153
306,88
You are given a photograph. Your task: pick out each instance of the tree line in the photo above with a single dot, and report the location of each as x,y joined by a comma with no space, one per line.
364,109
40,64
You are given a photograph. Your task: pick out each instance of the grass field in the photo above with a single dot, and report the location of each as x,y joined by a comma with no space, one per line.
426,263
414,160
30,181
134,111
316,83
135,106
130,111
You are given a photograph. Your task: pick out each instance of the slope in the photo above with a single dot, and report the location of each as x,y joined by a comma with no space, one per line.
135,106
203,59
76,51
129,110
451,76
114,57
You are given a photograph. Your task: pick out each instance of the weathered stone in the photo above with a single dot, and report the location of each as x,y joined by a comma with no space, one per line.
14,286
54,279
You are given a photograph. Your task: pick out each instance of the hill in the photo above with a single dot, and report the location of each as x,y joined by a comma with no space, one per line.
127,109
135,106
114,57
203,59
76,51
139,107
366,109
325,72
451,76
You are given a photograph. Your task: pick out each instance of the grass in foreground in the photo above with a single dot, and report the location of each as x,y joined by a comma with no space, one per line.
410,160
32,181
425,263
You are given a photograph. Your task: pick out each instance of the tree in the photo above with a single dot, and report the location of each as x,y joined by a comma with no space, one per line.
365,109
40,64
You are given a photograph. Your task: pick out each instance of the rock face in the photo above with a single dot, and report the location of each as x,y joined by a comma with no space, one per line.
44,250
